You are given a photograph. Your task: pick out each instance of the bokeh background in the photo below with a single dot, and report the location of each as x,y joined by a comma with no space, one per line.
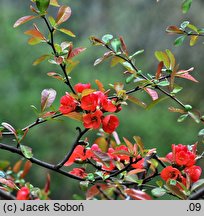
142,24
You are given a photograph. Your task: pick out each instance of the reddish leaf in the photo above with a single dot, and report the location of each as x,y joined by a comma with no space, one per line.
100,86
9,127
153,94
123,45
105,56
47,184
63,14
136,171
34,41
174,30
23,20
35,33
94,191
26,169
185,74
137,194
55,76
75,52
75,115
159,69
47,98
8,183
17,166
129,145
173,109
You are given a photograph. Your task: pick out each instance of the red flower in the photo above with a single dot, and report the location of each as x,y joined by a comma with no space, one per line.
139,164
78,154
170,173
67,104
80,172
23,194
123,155
110,123
80,87
92,120
89,102
194,172
108,105
182,156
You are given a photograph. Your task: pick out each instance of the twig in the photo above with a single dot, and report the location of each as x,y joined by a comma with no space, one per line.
37,122
51,43
197,195
6,195
68,155
39,162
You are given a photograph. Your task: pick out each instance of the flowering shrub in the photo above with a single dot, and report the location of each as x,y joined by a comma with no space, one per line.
108,168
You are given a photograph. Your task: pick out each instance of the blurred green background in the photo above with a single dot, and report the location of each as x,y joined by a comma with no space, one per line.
142,24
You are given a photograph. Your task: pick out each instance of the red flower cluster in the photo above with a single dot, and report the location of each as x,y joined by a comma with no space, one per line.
117,154
183,165
80,172
94,105
23,194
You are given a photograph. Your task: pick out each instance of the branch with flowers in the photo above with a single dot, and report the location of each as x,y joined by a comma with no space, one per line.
108,168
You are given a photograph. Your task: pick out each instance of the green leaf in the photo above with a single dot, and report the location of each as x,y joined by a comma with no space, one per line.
42,5
54,3
195,117
107,38
136,53
67,32
4,164
201,132
194,28
115,43
197,185
84,185
186,5
162,56
52,21
41,59
176,89
193,40
159,183
151,105
26,151
2,174
163,83
184,24
188,107
182,118
130,78
137,101
179,41
158,192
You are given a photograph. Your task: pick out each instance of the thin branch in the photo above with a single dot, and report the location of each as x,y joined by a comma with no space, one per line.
6,195
37,122
144,77
39,162
51,43
197,195
68,155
